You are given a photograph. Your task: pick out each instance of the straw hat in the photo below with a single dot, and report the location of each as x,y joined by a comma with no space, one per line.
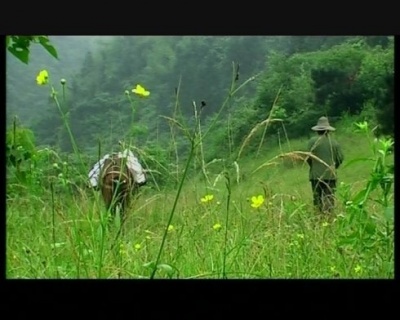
322,125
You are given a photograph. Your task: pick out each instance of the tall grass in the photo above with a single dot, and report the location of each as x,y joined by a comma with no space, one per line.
211,226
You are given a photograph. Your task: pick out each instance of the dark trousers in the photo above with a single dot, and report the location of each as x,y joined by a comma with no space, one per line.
324,194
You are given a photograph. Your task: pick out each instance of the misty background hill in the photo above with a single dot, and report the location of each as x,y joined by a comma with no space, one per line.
314,76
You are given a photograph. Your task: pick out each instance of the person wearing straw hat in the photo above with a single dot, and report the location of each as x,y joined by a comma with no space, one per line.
326,157
132,163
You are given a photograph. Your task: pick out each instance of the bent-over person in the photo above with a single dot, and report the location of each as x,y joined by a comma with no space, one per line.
132,163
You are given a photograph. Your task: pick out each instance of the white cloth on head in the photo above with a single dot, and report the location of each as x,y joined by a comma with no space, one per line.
132,163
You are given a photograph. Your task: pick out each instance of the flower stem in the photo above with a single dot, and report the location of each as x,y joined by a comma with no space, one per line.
173,208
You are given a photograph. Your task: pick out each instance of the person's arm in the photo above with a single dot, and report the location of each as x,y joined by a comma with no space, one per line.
339,157
309,146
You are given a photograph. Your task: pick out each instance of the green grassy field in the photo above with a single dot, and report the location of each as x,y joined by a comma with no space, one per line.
222,238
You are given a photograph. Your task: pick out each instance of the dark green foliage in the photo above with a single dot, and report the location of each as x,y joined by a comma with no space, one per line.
314,76
19,46
342,79
385,114
20,144
383,41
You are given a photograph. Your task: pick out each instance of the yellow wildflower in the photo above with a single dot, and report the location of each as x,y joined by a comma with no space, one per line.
217,226
170,227
137,246
140,91
357,269
207,198
257,201
42,78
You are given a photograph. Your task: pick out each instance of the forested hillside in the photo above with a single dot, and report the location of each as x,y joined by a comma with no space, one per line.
307,76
